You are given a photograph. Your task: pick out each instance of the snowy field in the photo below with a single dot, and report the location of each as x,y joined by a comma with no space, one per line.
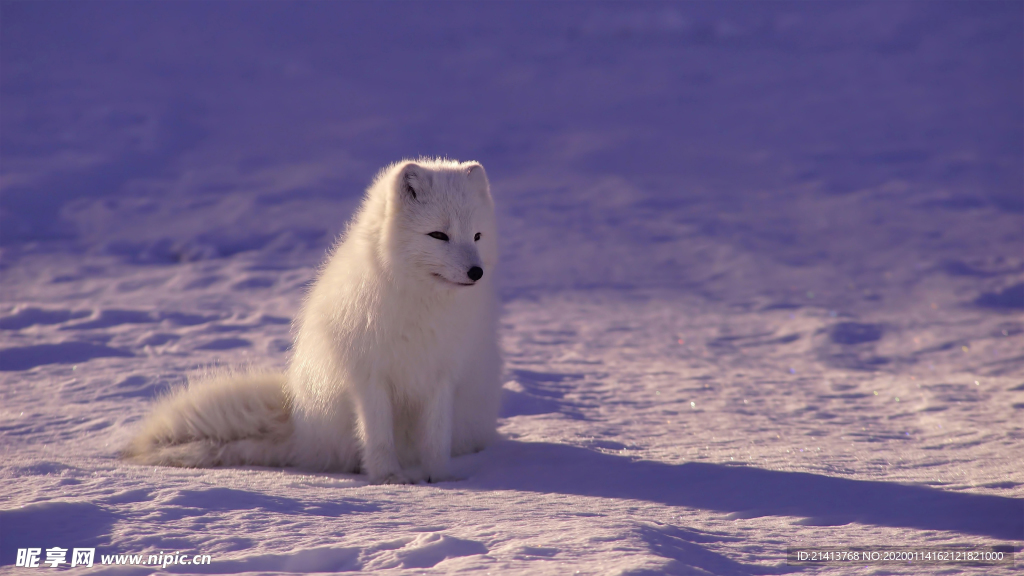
763,274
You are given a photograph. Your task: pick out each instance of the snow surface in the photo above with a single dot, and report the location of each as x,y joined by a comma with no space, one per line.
763,273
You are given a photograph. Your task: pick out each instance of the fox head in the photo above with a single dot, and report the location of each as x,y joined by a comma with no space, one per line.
441,223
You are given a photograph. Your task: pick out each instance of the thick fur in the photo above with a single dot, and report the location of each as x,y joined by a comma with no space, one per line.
219,420
396,365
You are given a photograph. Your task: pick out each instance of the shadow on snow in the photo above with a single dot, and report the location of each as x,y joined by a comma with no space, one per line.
748,492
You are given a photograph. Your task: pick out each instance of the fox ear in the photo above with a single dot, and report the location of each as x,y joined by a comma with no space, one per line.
413,181
478,177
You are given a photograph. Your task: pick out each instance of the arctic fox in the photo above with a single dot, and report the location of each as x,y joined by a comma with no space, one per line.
396,364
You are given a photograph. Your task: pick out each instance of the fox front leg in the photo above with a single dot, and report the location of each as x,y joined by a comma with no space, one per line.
435,435
376,429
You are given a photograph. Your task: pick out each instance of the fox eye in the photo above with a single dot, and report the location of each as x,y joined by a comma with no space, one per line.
439,236
476,237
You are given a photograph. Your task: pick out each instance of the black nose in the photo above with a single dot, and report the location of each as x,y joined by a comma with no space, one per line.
475,273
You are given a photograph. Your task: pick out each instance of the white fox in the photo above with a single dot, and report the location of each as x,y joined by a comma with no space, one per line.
396,364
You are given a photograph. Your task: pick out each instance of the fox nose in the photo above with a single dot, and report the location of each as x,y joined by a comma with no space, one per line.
475,273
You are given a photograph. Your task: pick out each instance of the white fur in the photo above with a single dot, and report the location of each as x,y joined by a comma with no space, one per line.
396,364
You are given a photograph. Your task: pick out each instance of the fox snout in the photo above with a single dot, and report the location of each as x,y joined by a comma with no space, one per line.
470,264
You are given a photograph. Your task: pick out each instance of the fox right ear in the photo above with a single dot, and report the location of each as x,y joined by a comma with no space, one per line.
412,182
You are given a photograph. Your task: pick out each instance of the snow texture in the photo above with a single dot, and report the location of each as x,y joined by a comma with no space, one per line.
763,274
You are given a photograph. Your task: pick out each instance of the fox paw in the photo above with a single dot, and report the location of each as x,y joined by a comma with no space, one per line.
392,478
435,477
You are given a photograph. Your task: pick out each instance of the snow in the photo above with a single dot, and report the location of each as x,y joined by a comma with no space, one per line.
763,276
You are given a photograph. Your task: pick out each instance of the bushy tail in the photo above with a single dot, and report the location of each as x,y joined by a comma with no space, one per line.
228,419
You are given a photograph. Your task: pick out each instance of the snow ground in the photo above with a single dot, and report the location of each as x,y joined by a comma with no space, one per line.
763,273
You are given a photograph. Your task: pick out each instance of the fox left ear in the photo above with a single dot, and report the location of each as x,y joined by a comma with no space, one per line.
476,175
